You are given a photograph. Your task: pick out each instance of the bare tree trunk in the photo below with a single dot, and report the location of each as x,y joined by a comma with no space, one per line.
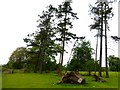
96,51
41,58
101,39
107,74
59,71
63,41
60,58
63,48
40,70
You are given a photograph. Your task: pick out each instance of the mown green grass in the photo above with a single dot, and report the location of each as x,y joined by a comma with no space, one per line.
0,76
0,80
49,80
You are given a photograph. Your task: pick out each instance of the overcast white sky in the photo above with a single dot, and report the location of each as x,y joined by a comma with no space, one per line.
18,18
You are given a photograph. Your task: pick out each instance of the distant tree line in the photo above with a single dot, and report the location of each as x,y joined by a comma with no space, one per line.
114,63
22,58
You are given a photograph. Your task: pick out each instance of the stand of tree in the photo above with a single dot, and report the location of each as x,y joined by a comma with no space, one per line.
53,34
50,38
22,59
102,13
82,58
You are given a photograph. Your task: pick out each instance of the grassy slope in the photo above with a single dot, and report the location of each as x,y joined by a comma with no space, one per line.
49,80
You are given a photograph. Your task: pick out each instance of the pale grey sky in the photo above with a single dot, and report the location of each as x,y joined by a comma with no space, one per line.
18,18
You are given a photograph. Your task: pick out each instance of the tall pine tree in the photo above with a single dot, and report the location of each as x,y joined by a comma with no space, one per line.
102,13
64,16
43,39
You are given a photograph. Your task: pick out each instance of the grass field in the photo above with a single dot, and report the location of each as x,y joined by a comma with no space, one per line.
0,79
49,80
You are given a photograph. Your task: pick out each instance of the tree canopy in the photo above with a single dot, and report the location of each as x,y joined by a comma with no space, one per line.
18,58
82,54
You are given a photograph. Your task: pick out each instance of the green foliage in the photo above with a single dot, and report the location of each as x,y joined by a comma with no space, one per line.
116,38
96,13
81,56
43,47
90,66
65,16
50,65
114,63
18,58
54,24
96,64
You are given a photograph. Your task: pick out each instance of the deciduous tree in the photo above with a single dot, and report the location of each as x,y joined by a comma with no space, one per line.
18,58
82,53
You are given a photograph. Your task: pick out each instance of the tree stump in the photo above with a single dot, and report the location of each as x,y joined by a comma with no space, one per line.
72,78
98,78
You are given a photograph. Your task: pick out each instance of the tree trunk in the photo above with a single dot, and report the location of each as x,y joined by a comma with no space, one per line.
41,58
63,47
89,72
63,41
59,68
40,69
107,74
59,71
96,51
101,40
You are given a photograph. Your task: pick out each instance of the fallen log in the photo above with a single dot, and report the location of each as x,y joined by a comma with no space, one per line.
72,78
98,78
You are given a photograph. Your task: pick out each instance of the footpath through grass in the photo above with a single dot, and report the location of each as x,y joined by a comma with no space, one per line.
49,80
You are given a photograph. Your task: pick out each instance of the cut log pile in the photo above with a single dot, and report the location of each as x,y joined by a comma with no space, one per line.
72,78
98,78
